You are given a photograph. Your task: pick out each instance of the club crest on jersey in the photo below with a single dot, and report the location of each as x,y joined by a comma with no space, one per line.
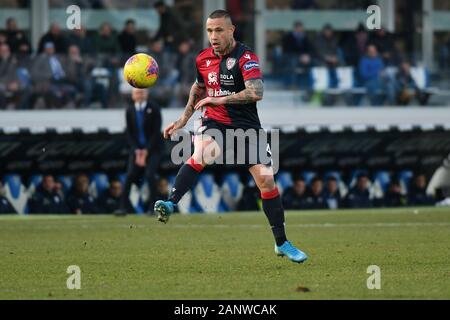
230,63
251,65
212,78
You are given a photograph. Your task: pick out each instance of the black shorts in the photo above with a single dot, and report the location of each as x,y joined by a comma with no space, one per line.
239,147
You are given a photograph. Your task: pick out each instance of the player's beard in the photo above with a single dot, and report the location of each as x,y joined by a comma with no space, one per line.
226,50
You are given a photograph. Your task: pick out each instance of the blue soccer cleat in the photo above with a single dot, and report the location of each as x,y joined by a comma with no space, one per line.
164,209
288,250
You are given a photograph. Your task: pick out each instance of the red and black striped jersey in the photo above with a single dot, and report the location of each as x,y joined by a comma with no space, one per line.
223,76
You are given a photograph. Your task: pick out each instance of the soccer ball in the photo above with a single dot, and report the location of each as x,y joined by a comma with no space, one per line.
141,71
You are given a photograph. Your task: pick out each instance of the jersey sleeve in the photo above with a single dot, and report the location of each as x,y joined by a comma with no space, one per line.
249,65
199,78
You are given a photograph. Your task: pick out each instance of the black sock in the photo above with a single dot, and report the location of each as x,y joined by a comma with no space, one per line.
274,211
184,181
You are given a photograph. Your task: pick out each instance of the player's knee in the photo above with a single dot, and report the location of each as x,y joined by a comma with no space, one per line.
266,183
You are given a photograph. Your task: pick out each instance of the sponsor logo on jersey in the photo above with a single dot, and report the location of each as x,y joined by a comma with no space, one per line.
226,76
208,62
212,78
230,63
251,65
221,93
247,56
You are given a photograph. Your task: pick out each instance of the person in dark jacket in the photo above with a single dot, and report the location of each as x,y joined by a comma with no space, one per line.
297,53
394,196
109,202
79,200
46,198
359,195
55,36
417,192
5,205
294,198
143,119
127,38
171,24
315,198
332,194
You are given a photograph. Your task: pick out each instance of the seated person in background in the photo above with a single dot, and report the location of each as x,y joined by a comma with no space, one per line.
5,205
79,199
161,192
394,196
250,200
109,202
315,198
332,194
417,193
359,195
327,49
406,88
295,197
46,198
371,69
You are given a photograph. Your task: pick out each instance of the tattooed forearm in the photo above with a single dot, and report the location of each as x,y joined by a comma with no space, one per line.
254,90
195,95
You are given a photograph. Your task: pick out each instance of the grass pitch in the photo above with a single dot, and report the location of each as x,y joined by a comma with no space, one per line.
228,256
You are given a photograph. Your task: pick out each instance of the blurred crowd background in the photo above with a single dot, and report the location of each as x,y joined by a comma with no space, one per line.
81,68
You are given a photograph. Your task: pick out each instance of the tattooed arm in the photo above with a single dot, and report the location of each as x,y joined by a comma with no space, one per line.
195,95
253,92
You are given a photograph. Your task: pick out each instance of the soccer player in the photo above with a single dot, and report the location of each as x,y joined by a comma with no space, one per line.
229,83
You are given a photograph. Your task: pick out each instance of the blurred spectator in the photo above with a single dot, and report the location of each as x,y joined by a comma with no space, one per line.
16,39
55,36
186,68
385,46
105,41
327,48
50,78
251,198
79,70
161,192
162,91
297,51
355,46
371,68
170,24
295,196
417,194
127,38
359,195
11,88
79,38
5,205
332,194
79,200
405,87
394,196
46,198
143,129
315,198
109,202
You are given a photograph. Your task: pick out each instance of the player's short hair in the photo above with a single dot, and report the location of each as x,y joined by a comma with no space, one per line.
220,14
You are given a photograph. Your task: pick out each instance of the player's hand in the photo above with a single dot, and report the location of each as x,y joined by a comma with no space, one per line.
171,128
211,101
